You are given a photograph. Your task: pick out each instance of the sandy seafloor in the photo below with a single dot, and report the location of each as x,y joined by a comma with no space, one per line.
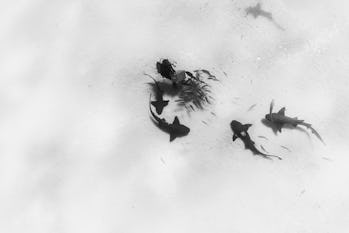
79,153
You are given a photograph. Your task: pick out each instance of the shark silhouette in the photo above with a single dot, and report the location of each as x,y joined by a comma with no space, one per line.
176,129
240,131
159,103
257,11
279,120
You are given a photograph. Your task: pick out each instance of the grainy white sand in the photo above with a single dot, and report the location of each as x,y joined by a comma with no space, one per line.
78,152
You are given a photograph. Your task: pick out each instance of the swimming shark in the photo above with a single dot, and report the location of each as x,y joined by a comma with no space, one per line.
176,129
257,11
279,120
159,103
240,131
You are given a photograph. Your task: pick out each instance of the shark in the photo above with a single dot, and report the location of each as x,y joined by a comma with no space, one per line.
175,129
257,11
240,131
279,120
159,103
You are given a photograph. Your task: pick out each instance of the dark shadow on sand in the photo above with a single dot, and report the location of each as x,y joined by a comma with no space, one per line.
166,87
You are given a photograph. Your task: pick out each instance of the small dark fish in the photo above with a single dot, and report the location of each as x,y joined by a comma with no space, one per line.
162,160
190,75
328,159
263,148
263,137
210,76
286,148
240,131
252,106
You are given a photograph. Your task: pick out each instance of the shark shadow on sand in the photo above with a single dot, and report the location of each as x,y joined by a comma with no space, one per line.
166,87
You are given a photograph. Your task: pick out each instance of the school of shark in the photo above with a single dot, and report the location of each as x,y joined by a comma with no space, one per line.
194,93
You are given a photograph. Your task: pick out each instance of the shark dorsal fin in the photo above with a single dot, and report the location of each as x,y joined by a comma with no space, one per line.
282,111
176,121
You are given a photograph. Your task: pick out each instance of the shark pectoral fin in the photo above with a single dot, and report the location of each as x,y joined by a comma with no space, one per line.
176,121
282,111
157,106
160,107
234,137
153,103
247,126
172,137
278,126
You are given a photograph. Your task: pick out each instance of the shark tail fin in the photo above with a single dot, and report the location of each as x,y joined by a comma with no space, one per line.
316,134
